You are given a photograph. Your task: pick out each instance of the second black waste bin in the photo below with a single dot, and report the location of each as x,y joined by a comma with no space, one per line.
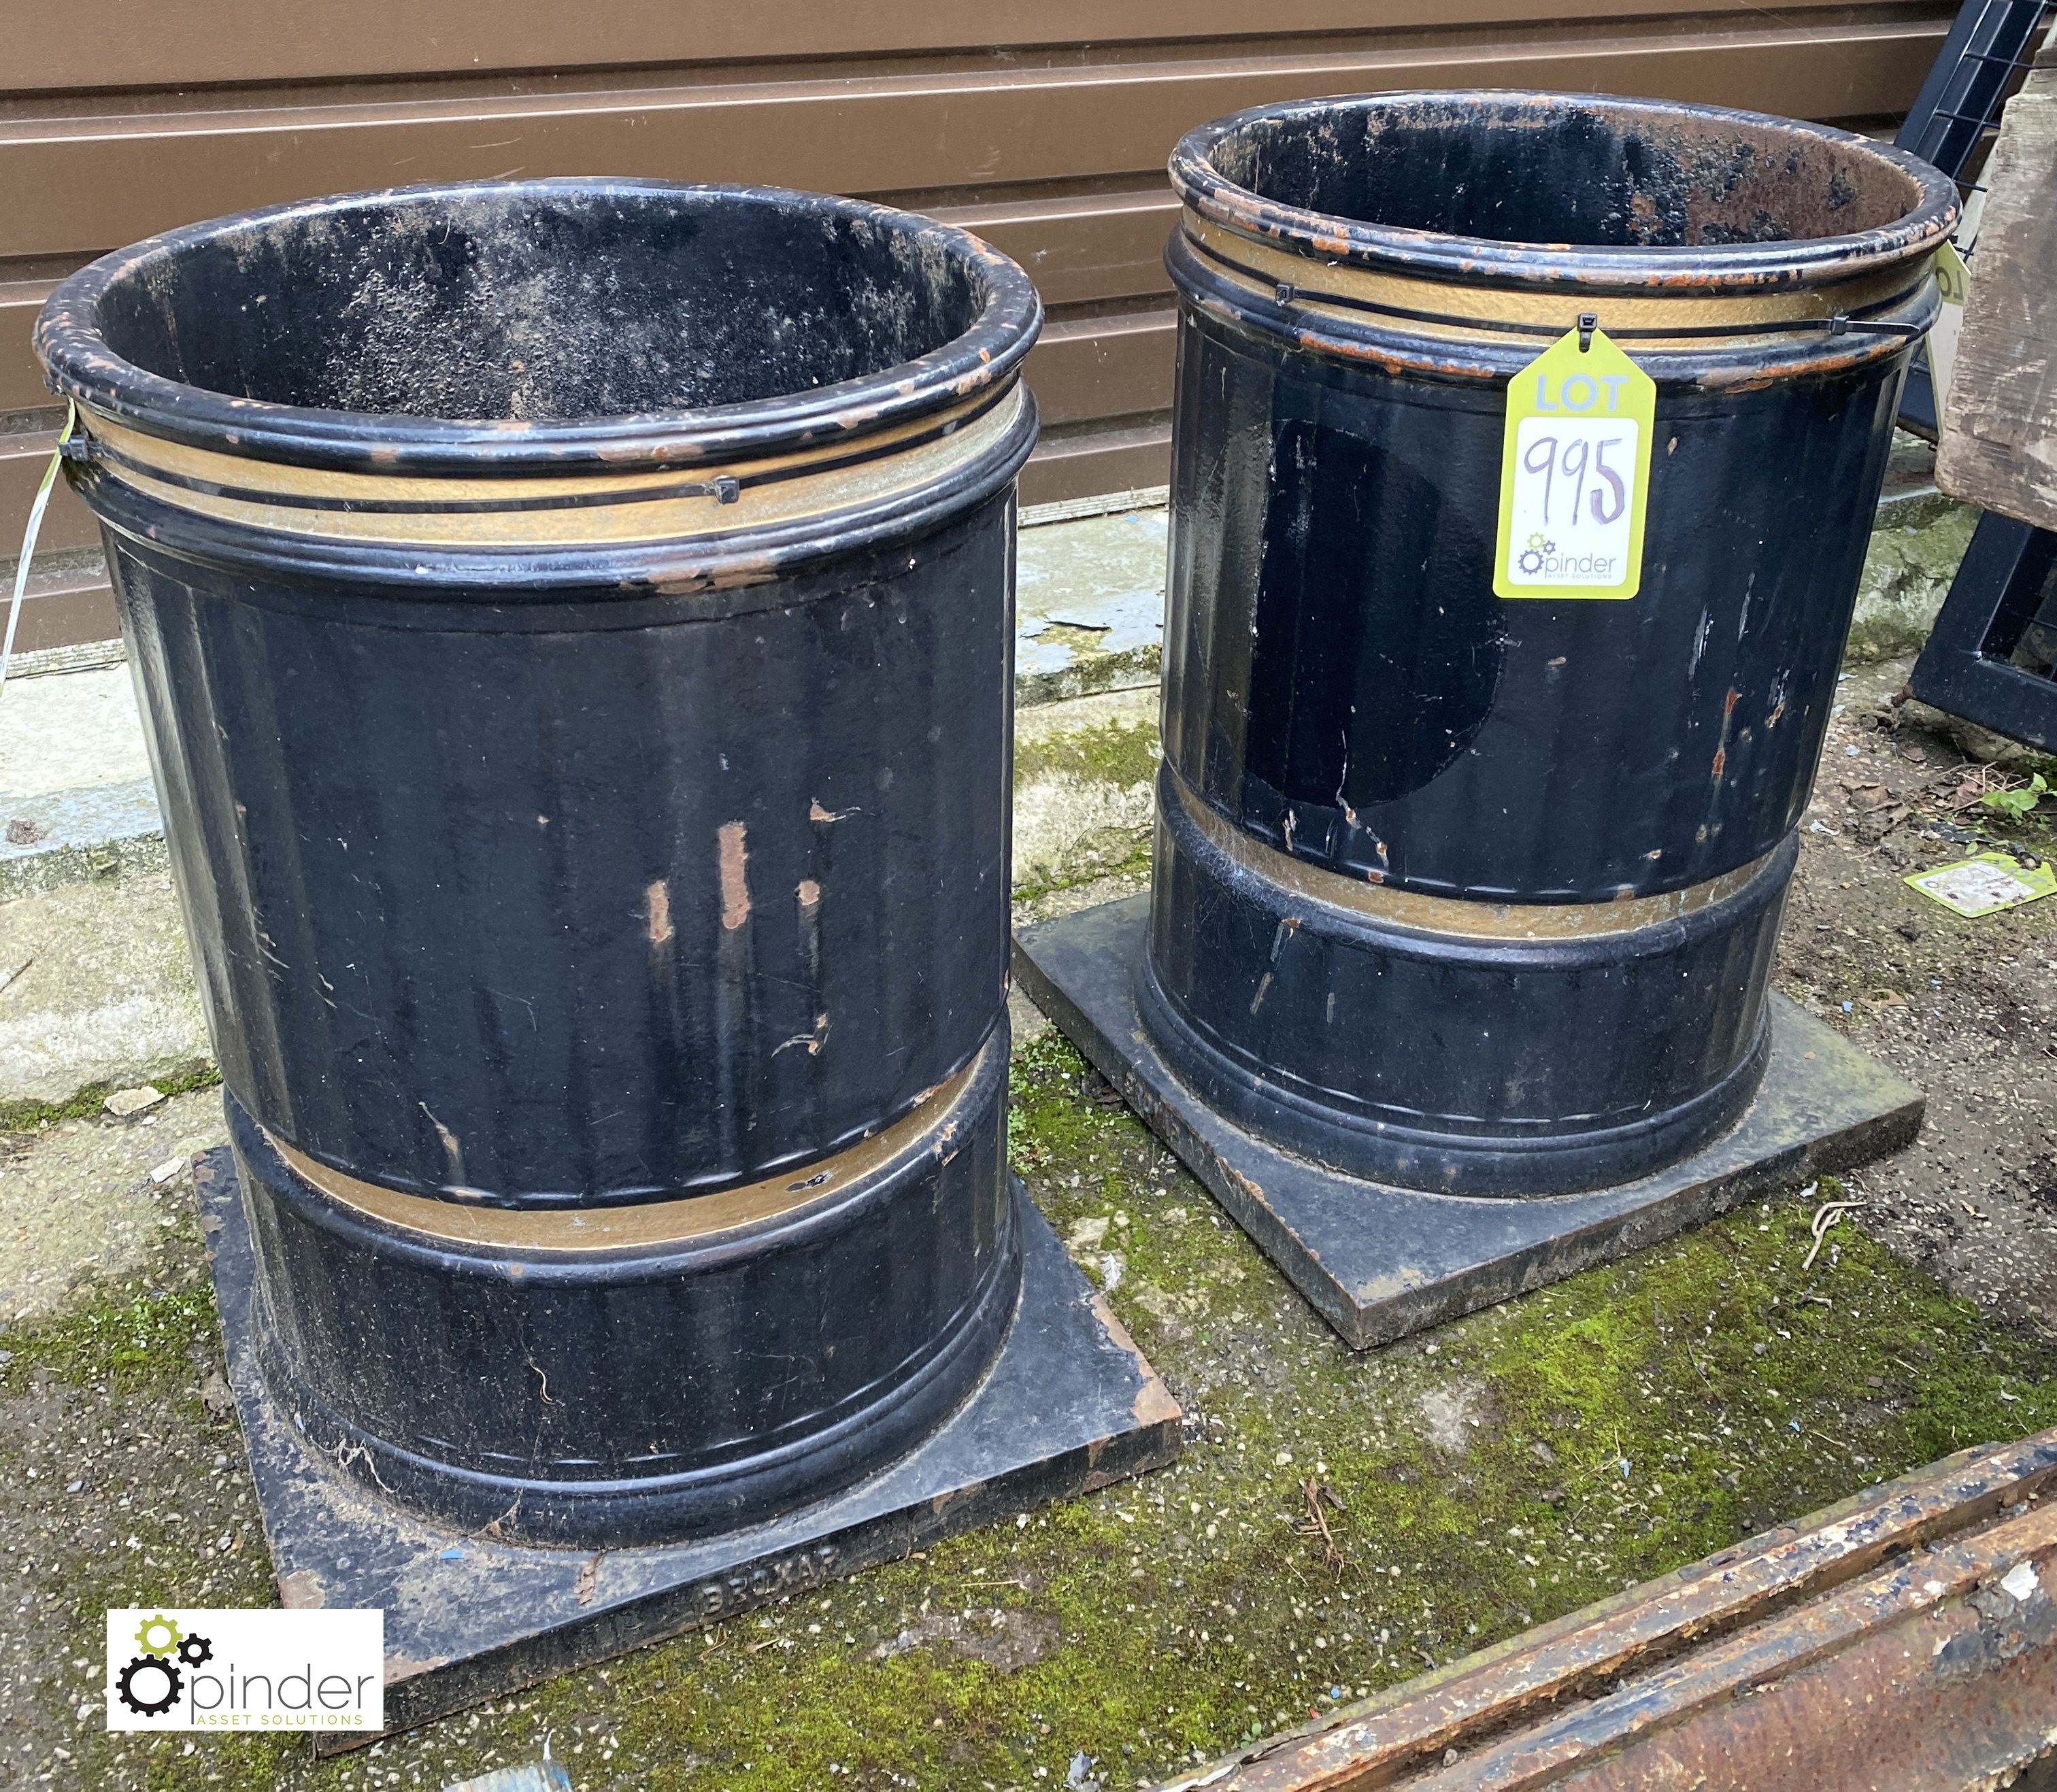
572,622
1471,892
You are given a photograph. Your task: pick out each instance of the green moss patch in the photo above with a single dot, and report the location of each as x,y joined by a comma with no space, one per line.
137,1343
1120,753
1099,780
28,1117
1338,1523
122,1483
1123,858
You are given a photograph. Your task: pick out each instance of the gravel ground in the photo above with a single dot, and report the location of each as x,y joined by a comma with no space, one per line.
1966,1009
121,1469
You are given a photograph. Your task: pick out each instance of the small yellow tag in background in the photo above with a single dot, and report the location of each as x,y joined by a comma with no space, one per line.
1953,279
1574,473
1984,885
1951,276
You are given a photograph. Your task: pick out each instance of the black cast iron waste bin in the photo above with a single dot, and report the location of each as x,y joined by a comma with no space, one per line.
571,619
1477,892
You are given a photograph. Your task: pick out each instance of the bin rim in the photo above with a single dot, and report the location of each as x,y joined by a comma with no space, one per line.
1475,260
79,365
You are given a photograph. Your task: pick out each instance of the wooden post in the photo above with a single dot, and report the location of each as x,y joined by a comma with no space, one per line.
1998,446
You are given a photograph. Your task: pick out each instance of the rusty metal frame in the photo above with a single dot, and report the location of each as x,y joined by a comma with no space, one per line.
1906,1639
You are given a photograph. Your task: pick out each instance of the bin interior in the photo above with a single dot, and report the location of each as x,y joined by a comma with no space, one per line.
1551,170
526,304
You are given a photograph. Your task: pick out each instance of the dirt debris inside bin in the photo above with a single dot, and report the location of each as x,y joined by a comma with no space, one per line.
1338,1522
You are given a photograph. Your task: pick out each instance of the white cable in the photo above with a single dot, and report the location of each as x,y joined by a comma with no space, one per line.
29,540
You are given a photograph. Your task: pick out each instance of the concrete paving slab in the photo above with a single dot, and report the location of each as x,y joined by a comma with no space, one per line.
74,774
1090,597
69,731
78,1203
1085,788
99,987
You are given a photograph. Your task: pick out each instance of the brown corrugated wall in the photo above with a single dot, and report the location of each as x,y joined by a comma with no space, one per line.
132,116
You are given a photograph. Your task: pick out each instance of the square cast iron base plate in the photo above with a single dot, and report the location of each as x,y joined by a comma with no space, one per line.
1068,1406
1380,1262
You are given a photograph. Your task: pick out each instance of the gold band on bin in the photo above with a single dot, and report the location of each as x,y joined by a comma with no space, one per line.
649,1225
542,511
1454,915
1674,318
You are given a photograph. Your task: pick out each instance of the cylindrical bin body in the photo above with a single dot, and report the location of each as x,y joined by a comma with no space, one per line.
573,621
1480,894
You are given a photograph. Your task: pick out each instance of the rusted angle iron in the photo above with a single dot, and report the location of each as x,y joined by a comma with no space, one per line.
1904,1640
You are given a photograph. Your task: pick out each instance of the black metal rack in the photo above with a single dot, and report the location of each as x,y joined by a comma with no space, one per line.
1988,656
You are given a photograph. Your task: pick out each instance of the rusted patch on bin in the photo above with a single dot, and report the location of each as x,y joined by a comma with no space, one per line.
1715,245
1766,203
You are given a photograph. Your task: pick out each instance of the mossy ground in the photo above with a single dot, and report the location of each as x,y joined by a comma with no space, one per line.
1098,778
1121,753
1502,1470
21,1117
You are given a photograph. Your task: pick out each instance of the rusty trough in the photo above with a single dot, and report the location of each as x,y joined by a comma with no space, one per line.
1905,1638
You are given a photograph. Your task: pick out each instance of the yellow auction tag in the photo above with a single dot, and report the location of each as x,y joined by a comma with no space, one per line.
1575,472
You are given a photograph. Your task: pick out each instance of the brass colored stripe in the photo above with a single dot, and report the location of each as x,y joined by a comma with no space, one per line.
608,506
649,1225
1453,915
1442,307
262,476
